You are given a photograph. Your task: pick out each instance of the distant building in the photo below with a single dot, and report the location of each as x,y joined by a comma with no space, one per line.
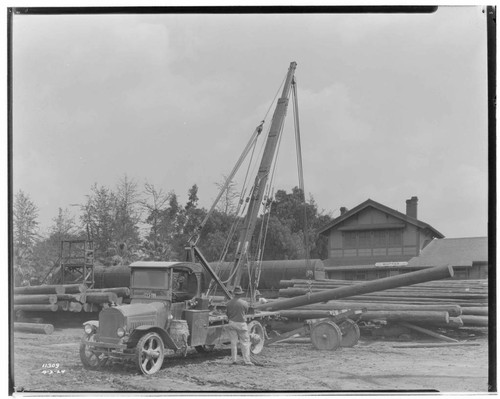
468,256
373,241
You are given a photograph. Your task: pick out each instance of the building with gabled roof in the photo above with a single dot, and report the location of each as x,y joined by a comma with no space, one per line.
373,241
373,237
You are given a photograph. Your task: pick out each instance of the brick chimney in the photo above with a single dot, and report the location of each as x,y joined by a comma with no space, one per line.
343,210
411,207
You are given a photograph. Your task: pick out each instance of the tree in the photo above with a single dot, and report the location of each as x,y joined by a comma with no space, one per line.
98,218
171,224
155,205
186,223
25,235
127,217
217,239
64,227
192,198
47,251
292,208
290,220
228,203
281,242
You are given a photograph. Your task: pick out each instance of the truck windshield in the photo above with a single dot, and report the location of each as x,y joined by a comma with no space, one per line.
150,278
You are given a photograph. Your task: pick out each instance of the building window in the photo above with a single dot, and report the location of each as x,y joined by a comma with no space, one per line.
374,243
349,275
380,239
365,239
350,239
382,273
395,238
360,276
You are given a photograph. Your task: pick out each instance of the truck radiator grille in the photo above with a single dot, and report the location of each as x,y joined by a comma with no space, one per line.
109,321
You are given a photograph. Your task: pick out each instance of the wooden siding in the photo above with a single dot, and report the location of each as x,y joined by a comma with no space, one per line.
372,235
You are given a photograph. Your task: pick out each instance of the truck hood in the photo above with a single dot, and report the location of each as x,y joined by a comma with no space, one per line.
131,317
139,309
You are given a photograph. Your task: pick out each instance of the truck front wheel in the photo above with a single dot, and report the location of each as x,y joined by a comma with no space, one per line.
150,353
91,359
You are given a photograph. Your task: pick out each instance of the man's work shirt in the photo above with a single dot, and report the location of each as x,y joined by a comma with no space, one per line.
236,309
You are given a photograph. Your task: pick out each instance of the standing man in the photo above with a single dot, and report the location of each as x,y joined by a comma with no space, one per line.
236,309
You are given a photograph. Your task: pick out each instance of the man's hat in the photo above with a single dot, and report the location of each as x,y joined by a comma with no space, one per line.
238,290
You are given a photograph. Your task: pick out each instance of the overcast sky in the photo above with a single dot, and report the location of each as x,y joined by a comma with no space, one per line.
390,106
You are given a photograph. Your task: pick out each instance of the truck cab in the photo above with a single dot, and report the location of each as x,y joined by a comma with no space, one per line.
172,282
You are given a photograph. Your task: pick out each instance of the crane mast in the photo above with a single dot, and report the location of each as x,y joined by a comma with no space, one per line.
257,195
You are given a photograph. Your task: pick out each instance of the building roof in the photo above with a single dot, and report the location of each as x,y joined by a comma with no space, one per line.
453,251
382,208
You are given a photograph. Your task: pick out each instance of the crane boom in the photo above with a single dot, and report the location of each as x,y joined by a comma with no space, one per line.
261,180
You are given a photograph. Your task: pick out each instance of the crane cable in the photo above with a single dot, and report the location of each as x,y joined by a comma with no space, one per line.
300,170
251,144
241,201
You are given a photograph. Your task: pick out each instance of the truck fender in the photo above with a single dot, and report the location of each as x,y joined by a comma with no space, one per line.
139,331
93,323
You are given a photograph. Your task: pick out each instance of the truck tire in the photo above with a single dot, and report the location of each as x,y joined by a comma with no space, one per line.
90,359
257,337
150,353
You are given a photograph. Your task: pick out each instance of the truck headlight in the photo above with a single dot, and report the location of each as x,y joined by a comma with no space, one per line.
120,332
89,329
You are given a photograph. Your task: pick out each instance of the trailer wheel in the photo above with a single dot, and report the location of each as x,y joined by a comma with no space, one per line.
350,333
257,336
149,353
326,335
91,359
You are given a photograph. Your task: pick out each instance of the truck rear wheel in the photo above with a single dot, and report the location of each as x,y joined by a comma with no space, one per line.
150,353
257,336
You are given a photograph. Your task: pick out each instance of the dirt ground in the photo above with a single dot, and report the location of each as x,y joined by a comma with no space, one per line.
50,363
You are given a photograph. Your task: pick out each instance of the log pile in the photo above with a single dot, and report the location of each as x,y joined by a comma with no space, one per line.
74,298
449,304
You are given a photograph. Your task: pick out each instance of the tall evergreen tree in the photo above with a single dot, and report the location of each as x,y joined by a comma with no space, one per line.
127,217
25,235
155,204
98,219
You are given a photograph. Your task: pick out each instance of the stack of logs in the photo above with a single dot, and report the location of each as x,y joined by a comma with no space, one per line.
74,298
445,303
